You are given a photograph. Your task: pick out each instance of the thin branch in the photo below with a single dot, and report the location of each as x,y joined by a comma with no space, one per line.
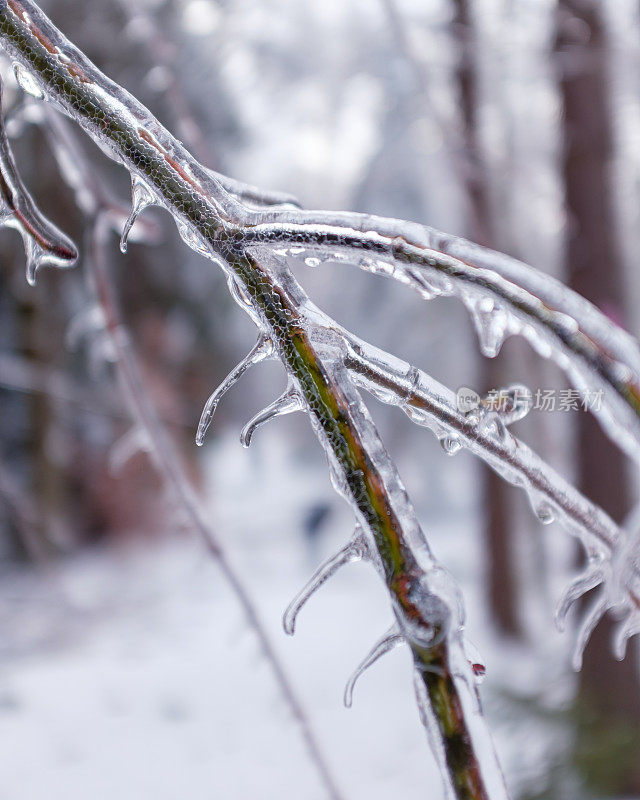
168,463
433,405
505,297
249,243
421,590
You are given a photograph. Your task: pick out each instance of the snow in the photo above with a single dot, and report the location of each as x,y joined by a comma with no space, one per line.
161,691
131,673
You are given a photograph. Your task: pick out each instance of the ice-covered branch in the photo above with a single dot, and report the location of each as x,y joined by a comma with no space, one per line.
214,223
250,240
429,403
504,297
613,555
43,242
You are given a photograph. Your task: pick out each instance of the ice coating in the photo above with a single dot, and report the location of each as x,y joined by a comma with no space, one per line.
317,356
44,244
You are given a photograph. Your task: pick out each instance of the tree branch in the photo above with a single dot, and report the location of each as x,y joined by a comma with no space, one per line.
250,244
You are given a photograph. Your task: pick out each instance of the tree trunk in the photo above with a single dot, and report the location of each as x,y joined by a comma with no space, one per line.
495,492
609,691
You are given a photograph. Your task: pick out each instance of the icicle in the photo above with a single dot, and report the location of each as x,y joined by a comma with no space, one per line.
541,507
628,628
141,197
287,403
451,444
491,322
262,350
392,638
593,616
355,550
43,242
133,441
584,583
191,239
27,82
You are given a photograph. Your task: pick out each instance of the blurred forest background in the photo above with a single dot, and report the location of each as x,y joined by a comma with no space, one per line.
125,666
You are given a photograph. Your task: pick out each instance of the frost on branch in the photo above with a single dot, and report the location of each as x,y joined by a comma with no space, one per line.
44,244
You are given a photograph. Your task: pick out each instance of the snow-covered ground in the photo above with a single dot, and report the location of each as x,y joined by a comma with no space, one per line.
132,674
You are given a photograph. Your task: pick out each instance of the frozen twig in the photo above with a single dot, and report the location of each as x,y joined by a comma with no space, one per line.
214,223
251,242
43,242
428,403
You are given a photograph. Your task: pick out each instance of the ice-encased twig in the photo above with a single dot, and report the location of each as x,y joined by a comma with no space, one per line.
44,243
430,404
391,639
288,402
505,297
261,350
159,46
426,600
354,550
